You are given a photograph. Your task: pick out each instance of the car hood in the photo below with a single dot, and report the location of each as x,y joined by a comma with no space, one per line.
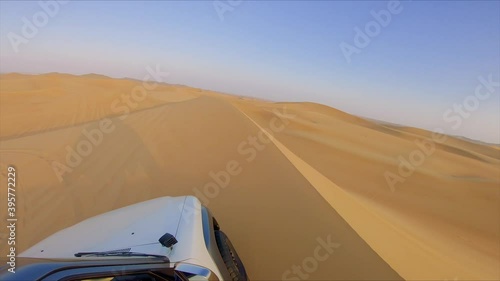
136,228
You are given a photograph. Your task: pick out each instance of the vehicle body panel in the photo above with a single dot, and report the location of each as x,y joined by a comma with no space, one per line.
137,228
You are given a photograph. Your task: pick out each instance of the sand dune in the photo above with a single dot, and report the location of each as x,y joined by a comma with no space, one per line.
305,172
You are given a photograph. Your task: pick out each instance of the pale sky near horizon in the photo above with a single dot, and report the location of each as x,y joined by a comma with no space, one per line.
415,70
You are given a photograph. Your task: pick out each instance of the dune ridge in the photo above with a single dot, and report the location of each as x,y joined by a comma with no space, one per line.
371,227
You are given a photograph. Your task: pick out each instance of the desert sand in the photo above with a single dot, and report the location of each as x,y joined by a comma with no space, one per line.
289,175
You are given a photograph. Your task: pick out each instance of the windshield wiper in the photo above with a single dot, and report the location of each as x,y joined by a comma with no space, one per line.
116,254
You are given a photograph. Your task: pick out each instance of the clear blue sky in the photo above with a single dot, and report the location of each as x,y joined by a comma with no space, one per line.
426,59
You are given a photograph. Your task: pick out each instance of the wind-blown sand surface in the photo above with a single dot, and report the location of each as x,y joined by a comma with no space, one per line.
314,172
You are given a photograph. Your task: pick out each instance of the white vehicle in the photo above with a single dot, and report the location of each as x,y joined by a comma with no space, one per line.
175,231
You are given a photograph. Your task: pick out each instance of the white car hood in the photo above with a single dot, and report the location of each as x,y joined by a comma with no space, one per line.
137,227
